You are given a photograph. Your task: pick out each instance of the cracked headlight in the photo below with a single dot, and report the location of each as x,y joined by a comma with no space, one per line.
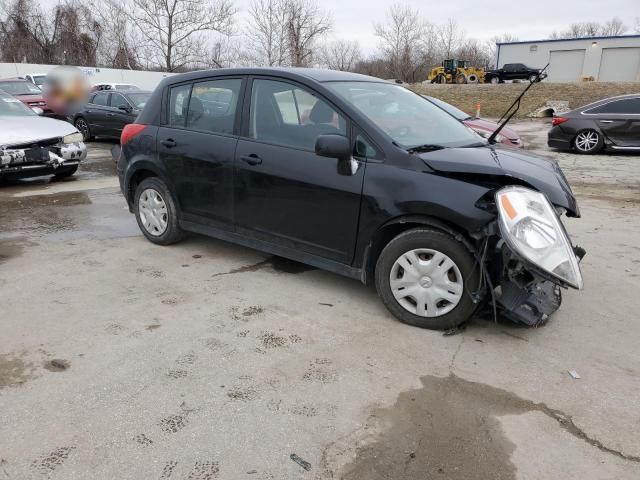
531,227
72,138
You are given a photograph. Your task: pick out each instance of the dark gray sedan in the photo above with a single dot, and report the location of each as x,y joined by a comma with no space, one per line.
107,112
611,124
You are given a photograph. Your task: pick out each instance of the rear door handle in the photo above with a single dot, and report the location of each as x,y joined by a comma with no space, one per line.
110,114
169,143
606,121
252,159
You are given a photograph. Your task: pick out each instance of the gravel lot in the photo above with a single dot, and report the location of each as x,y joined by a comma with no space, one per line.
124,360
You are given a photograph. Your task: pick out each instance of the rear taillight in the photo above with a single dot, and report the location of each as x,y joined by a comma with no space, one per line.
558,120
130,131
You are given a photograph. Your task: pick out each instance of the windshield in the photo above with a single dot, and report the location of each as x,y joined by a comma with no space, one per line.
139,100
409,119
13,107
450,109
20,88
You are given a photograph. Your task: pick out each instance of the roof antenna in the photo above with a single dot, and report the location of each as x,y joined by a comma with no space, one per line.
516,104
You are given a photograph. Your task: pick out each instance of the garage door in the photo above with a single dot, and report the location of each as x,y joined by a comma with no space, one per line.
565,65
620,65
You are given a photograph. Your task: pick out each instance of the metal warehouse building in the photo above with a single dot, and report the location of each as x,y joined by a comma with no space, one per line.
606,59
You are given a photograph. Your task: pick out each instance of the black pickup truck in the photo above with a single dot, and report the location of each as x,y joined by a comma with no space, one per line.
513,71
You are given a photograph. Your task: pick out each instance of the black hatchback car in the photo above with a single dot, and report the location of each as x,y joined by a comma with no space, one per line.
611,124
107,112
358,176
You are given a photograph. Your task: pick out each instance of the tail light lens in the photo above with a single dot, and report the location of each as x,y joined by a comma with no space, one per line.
130,131
558,120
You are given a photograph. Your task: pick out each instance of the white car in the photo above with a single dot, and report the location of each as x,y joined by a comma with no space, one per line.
32,146
114,86
36,78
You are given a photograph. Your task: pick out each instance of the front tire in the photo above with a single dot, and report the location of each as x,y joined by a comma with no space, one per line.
65,172
425,278
588,142
83,127
494,80
156,212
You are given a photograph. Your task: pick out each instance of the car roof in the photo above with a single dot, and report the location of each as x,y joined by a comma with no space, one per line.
13,79
124,92
606,100
316,74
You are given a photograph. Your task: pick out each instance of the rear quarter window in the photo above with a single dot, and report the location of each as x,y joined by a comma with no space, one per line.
178,105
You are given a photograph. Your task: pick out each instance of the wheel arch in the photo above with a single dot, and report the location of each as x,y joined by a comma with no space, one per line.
136,173
394,227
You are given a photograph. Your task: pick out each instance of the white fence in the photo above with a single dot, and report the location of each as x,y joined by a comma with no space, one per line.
144,80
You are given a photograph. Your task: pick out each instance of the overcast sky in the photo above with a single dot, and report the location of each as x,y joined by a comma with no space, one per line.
481,19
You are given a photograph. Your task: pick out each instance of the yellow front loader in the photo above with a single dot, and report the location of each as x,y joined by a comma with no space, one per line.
456,71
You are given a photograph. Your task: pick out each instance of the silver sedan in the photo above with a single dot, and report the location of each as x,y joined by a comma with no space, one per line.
31,145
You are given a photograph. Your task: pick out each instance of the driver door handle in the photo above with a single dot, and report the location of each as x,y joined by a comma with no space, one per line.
169,143
606,121
252,159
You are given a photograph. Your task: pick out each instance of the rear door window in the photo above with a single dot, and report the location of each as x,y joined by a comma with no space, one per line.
213,104
178,105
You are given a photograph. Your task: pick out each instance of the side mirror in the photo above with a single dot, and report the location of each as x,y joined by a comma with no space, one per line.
125,108
339,147
37,110
333,146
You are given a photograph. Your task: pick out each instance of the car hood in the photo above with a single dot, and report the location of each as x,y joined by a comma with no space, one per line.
18,130
539,172
489,126
30,98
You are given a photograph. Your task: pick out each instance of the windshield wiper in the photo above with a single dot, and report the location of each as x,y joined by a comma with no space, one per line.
516,104
427,147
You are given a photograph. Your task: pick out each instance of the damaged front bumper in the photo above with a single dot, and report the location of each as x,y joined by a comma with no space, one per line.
525,294
34,159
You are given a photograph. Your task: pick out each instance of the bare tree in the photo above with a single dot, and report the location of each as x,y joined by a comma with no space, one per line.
267,35
491,46
450,37
121,46
227,51
341,55
68,34
173,29
306,24
400,39
613,27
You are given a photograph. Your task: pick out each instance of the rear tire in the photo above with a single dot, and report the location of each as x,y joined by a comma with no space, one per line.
64,172
588,142
461,79
423,293
156,212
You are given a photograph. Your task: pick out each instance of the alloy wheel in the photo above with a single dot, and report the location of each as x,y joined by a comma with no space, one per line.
82,125
426,282
587,141
153,212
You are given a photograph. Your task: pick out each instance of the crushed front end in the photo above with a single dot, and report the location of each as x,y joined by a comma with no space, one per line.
527,257
42,157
